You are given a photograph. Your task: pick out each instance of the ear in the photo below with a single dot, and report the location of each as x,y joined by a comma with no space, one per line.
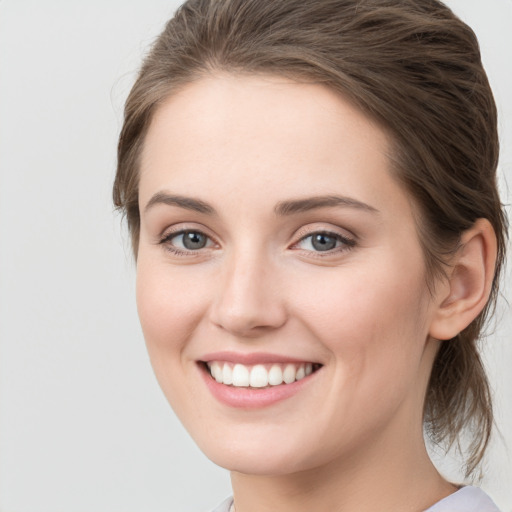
469,283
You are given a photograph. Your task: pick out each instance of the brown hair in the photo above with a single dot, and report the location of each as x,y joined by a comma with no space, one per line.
414,67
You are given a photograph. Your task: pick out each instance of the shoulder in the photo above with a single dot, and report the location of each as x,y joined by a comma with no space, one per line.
224,506
467,499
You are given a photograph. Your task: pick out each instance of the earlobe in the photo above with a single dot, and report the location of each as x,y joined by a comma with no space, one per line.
469,283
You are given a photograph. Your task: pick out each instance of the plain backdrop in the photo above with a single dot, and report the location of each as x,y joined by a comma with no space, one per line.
83,425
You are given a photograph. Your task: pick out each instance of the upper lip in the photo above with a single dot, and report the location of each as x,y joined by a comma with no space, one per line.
252,358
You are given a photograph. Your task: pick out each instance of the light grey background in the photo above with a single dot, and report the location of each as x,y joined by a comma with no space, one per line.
83,425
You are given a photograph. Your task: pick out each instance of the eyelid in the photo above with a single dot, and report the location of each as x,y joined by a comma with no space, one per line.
348,240
183,227
176,234
169,233
326,228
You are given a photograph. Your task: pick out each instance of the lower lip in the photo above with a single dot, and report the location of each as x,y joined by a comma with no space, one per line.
252,398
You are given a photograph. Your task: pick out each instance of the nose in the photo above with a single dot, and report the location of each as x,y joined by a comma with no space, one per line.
250,298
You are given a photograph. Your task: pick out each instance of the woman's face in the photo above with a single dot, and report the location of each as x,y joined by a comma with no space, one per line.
277,249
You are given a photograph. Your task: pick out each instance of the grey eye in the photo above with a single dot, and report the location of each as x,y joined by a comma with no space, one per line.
193,240
323,242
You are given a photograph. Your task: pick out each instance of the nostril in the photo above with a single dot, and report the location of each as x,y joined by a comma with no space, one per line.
246,328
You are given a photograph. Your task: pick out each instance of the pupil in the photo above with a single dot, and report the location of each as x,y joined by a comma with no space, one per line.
323,242
193,240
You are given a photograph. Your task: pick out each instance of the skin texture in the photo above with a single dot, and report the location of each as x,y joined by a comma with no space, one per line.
351,438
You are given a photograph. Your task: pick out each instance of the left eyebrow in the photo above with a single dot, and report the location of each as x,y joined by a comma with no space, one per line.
313,203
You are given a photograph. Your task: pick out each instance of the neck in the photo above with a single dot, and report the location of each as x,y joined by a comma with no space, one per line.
403,480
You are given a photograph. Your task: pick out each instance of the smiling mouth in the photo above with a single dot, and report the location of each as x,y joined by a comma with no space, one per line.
259,375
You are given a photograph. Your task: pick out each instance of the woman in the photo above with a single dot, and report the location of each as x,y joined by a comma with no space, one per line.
310,190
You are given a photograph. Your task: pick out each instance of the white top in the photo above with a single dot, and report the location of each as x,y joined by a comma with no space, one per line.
467,499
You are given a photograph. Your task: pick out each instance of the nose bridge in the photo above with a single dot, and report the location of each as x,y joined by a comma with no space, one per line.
248,300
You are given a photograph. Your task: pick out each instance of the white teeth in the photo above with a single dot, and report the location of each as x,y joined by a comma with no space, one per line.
275,375
289,374
227,374
259,375
216,371
240,375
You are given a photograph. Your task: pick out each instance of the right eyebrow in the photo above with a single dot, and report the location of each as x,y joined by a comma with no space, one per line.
188,203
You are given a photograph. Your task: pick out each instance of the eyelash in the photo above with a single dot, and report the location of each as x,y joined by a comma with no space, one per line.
166,242
346,243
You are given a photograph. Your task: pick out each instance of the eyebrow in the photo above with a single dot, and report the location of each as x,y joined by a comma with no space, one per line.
282,208
188,203
312,203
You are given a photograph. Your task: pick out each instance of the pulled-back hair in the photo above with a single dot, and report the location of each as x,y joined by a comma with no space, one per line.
412,66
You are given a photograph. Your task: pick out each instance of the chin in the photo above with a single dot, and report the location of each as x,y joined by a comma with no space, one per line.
260,462
255,456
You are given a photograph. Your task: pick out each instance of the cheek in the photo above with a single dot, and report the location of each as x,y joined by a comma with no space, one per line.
354,304
373,330
169,307
374,324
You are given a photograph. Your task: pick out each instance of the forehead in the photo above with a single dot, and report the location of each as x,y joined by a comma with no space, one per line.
229,133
